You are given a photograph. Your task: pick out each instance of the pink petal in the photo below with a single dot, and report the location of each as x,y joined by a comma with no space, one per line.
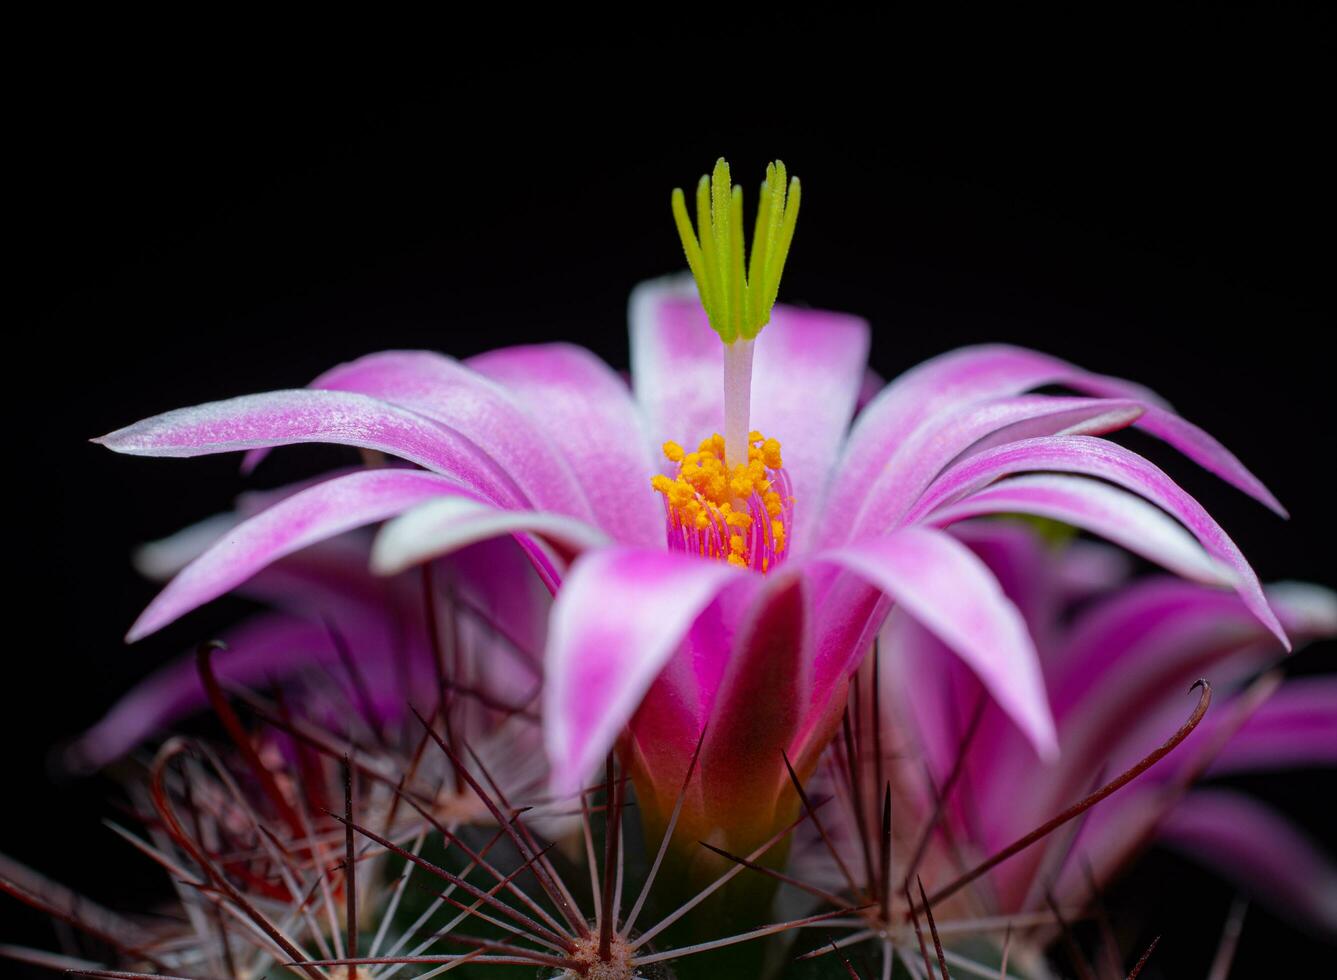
872,383
1160,634
160,560
679,705
677,366
939,582
445,524
482,411
1189,439
1108,461
1030,570
382,625
1297,726
1117,682
587,413
1258,848
1112,513
970,430
760,707
306,518
902,421
259,652
618,619
1149,641
281,418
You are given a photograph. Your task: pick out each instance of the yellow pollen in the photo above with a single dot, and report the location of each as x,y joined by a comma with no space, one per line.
707,493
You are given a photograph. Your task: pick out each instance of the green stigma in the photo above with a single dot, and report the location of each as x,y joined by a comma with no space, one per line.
738,299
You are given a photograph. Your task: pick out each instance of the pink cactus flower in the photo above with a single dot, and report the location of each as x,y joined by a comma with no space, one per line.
722,596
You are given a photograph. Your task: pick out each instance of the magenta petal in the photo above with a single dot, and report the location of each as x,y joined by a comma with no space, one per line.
1107,461
681,702
259,652
941,584
1117,682
311,516
1032,416
903,419
1145,644
159,560
619,617
950,437
482,411
445,524
1258,848
586,411
1114,514
281,418
760,707
872,383
677,366
1295,727
1189,439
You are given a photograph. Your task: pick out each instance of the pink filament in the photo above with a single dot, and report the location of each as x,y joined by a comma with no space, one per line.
713,541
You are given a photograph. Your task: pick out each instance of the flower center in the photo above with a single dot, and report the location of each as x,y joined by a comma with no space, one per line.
740,513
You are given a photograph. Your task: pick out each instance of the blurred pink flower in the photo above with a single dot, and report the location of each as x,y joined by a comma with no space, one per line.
1117,658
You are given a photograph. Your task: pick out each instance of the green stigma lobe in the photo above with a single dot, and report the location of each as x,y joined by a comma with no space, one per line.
738,295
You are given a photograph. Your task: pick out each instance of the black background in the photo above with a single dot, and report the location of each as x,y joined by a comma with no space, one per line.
1152,200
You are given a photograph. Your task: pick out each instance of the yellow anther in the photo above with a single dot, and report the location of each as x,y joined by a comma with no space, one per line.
770,451
713,502
755,437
